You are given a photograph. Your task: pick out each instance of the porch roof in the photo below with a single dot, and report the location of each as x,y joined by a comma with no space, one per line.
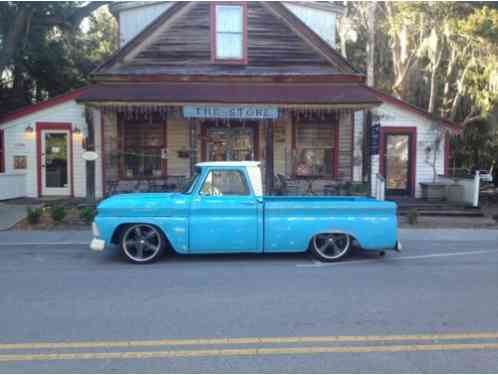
281,94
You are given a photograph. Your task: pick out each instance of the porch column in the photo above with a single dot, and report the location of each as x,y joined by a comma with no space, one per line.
269,156
90,146
193,145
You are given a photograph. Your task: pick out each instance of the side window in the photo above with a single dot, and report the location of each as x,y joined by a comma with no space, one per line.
220,183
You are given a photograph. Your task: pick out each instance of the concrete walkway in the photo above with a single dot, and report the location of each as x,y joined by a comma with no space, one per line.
10,215
45,237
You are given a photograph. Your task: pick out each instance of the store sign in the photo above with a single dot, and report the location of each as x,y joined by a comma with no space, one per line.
231,112
90,156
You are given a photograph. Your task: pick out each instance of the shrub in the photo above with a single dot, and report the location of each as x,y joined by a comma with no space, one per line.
34,215
412,216
57,213
87,214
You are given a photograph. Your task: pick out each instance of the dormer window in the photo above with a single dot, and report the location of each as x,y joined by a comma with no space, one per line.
229,33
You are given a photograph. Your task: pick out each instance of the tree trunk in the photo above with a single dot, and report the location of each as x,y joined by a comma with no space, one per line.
14,36
371,43
434,83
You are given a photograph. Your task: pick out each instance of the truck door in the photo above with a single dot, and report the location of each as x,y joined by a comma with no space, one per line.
224,214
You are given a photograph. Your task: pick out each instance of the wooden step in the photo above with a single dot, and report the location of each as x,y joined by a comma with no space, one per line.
452,213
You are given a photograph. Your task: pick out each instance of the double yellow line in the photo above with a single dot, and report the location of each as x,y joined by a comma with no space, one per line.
430,342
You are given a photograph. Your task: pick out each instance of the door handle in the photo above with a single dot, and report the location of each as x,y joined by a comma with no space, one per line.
248,203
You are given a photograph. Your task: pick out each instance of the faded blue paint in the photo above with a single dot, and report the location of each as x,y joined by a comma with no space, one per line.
225,224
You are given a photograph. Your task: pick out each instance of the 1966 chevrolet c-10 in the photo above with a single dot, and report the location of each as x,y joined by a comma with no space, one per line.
223,210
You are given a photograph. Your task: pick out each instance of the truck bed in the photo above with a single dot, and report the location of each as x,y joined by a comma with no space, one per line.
290,222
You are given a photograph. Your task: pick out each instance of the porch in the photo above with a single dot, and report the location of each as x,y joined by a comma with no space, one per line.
154,134
302,152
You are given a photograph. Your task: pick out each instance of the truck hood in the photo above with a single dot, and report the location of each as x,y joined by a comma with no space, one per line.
142,205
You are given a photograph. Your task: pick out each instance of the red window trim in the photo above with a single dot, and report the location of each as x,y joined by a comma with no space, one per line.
412,131
53,126
212,31
164,162
335,149
2,151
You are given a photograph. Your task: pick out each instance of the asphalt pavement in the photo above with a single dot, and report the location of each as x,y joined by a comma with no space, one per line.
432,308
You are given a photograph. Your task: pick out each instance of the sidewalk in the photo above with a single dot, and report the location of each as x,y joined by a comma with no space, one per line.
45,237
10,215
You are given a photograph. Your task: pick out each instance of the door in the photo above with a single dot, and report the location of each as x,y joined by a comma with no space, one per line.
55,166
398,163
230,143
224,214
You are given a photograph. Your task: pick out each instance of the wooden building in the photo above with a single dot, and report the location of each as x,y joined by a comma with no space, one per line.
200,81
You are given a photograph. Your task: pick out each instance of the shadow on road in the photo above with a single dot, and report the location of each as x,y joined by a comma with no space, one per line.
114,255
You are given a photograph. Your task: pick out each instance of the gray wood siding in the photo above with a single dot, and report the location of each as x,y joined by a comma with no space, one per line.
270,42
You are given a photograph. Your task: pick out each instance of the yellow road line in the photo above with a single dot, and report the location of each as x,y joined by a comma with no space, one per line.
245,340
244,352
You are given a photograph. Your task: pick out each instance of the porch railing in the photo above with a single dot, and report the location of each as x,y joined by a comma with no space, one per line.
380,187
470,185
12,186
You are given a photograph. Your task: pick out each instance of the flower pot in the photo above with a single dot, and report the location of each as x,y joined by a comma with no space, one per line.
433,191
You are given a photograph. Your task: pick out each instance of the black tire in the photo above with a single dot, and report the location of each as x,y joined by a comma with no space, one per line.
142,243
330,247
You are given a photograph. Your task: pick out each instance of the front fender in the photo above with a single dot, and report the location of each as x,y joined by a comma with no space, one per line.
174,228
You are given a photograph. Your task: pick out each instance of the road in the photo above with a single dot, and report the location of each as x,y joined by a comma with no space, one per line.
432,308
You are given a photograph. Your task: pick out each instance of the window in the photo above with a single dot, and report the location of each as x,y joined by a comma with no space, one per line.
220,183
143,148
229,33
315,146
2,152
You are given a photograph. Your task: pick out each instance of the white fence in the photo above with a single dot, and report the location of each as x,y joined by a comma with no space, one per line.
12,186
471,186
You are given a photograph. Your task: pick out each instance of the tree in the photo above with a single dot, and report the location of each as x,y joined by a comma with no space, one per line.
42,50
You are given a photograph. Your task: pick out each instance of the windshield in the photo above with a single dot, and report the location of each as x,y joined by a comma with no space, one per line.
189,184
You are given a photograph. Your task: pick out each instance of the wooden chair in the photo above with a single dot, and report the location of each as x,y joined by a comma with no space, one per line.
289,186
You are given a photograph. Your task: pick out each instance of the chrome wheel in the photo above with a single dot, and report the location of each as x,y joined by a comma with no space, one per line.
331,246
142,243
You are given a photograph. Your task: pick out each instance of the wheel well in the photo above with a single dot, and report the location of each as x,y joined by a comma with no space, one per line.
354,241
116,236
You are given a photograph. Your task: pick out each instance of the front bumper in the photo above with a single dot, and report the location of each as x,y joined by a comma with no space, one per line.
398,247
97,244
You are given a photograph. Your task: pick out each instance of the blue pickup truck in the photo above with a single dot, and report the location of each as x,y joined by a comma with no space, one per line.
223,210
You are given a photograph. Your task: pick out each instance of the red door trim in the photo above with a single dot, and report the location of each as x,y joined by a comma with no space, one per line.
413,150
53,126
2,151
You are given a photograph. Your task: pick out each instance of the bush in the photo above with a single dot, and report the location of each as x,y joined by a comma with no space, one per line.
57,213
412,216
87,214
34,215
